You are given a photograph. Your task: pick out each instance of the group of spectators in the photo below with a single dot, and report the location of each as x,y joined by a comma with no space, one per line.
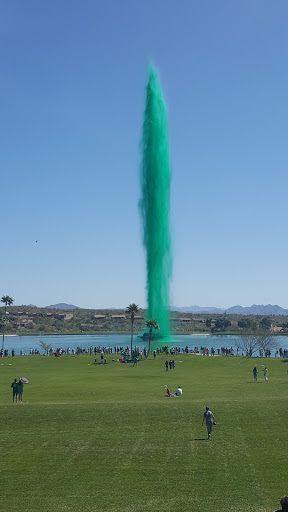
205,351
281,352
171,364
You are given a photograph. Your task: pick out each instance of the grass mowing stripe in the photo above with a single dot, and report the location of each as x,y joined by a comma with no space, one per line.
105,438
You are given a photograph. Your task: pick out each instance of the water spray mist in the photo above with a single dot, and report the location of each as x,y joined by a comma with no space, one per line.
155,204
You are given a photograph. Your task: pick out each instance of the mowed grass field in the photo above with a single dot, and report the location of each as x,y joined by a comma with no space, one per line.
104,438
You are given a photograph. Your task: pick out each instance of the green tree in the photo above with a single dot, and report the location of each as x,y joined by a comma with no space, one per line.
221,324
208,322
8,301
132,309
45,346
151,324
265,323
248,324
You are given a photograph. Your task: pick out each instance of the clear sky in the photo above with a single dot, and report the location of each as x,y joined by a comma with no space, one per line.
73,77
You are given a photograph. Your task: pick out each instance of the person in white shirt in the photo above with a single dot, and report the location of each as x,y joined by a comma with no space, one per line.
179,391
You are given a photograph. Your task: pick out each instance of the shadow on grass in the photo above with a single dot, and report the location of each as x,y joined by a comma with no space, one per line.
199,439
260,381
257,382
284,360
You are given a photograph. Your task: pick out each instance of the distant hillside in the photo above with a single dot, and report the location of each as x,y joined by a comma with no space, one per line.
269,309
199,310
264,310
23,320
62,305
235,310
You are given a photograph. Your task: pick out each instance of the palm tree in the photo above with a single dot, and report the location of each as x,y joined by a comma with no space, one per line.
45,346
8,301
151,324
132,309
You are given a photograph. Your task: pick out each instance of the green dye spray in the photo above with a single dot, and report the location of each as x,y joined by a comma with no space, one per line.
155,204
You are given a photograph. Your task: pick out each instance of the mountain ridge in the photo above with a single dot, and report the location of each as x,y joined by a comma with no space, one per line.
255,309
62,305
260,309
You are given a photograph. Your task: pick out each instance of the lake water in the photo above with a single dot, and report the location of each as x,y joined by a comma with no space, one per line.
25,343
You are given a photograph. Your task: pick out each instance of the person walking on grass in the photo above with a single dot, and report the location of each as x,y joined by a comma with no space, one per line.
14,387
265,374
255,373
209,417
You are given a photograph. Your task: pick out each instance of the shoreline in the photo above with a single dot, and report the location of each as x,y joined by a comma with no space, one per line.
126,333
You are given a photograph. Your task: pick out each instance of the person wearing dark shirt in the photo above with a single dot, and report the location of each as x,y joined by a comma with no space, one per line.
284,504
20,390
255,373
14,387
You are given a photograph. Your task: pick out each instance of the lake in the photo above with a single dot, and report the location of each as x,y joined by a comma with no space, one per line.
25,343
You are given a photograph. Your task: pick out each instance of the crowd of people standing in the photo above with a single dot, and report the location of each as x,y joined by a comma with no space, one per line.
121,350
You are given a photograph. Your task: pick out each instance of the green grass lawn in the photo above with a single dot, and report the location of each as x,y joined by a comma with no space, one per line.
104,438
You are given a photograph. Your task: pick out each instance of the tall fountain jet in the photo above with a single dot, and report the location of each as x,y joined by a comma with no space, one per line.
155,204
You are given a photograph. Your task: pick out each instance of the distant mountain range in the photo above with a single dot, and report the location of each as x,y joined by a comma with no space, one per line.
268,309
199,309
62,305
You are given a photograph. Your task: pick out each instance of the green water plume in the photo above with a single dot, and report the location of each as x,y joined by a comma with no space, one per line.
155,204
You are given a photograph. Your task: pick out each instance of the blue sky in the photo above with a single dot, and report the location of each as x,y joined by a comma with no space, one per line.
73,77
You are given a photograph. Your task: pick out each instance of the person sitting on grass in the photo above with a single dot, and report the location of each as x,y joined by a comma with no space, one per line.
179,391
168,392
284,504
